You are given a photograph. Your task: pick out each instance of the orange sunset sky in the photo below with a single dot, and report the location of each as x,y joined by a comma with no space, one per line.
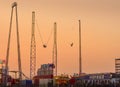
100,33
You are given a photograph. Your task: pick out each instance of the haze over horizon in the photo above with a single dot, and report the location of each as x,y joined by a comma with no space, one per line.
100,33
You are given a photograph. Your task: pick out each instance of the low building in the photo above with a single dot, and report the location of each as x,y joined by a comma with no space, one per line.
117,65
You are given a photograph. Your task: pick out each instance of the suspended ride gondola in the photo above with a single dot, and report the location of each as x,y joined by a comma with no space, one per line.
45,44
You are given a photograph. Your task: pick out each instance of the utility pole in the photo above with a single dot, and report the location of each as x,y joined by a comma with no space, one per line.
80,59
14,5
33,49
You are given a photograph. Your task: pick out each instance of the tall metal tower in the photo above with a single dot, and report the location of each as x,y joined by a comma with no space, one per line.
80,59
33,49
55,48
14,5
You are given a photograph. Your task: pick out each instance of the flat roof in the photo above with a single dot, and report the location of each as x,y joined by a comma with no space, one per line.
117,59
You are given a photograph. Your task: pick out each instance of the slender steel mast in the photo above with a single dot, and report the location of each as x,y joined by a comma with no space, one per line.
80,58
55,48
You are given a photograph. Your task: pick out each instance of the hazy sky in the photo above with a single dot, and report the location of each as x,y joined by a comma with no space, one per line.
100,33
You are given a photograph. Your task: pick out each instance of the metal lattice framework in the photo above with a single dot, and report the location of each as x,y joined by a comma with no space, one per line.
14,5
33,49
